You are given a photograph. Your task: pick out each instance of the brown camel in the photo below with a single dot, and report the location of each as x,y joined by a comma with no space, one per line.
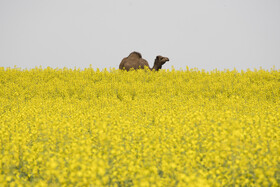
135,60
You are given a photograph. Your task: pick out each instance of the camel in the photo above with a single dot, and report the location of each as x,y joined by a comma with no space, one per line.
135,61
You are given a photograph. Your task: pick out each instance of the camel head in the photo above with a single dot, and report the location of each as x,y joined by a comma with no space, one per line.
159,61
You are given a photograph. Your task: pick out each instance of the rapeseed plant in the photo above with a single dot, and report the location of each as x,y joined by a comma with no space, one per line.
72,127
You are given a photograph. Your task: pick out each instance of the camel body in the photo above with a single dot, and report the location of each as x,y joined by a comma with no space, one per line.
135,61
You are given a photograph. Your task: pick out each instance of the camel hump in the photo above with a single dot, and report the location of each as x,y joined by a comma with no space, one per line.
134,53
134,60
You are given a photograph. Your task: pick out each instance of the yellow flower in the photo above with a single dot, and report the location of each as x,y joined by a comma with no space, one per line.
91,127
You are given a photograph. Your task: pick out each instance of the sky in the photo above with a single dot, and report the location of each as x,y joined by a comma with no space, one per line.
203,34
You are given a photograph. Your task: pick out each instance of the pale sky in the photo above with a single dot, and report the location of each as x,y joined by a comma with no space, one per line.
205,34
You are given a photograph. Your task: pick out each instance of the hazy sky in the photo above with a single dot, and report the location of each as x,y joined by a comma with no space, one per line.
206,34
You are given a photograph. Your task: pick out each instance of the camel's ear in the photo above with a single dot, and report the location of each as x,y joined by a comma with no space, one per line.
158,57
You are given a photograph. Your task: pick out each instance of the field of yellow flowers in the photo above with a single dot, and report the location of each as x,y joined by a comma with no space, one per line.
72,127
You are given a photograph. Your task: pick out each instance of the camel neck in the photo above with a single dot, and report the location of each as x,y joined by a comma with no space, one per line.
156,67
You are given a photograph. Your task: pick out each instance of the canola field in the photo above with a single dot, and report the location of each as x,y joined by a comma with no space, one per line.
72,127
